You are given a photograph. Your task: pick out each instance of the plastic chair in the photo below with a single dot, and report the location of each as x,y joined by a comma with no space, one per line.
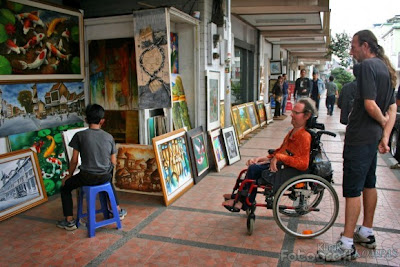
91,193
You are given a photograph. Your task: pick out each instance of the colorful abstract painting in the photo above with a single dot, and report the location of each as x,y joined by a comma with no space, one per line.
136,169
180,112
200,153
218,150
245,123
40,42
236,121
261,112
112,70
35,106
251,109
174,53
50,151
153,66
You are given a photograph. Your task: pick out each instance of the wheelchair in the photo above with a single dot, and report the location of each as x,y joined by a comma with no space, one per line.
304,206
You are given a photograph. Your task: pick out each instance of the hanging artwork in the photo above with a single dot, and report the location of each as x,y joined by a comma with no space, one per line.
122,125
152,60
35,106
198,153
173,164
112,72
231,145
136,170
218,149
40,42
174,53
261,112
48,144
213,91
21,186
180,112
251,109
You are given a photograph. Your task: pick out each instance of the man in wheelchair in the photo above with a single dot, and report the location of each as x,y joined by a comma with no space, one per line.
290,159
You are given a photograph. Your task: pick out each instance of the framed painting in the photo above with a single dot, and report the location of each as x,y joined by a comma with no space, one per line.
21,186
268,112
236,121
174,52
251,109
275,67
136,170
173,164
213,94
261,112
180,112
244,117
218,150
41,42
231,145
67,137
198,153
222,113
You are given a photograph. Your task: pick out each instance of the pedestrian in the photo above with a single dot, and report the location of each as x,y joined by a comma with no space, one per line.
368,131
346,97
302,86
317,88
277,91
331,94
285,88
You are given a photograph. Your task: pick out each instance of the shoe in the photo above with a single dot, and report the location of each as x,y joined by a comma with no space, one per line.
67,225
122,214
231,208
368,242
337,252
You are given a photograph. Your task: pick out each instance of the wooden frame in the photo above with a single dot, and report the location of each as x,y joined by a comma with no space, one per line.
217,148
50,49
244,118
251,109
176,179
231,145
22,185
236,121
262,115
213,97
198,153
269,113
275,67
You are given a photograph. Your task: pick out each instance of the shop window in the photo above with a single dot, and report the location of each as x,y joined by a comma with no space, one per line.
242,76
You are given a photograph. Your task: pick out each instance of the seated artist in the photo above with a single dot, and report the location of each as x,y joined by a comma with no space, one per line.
294,154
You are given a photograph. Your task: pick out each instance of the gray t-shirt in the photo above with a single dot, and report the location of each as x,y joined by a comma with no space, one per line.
373,83
331,89
95,147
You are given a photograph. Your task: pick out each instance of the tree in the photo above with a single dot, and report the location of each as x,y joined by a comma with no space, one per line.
25,99
340,47
342,77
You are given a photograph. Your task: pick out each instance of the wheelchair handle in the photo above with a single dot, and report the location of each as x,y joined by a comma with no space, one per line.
326,132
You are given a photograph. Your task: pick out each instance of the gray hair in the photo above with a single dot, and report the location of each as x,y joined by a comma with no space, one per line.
309,106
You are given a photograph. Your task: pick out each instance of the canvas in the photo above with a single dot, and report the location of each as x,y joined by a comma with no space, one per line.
198,153
173,164
218,149
174,53
35,106
231,145
50,151
180,112
21,186
244,117
67,137
152,60
222,113
136,170
251,109
213,98
261,112
268,112
236,121
276,67
40,42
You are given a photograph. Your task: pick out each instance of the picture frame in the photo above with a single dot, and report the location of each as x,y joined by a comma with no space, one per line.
198,153
22,187
59,53
251,109
67,137
218,149
244,118
171,148
275,67
231,145
136,170
268,112
236,121
261,112
213,97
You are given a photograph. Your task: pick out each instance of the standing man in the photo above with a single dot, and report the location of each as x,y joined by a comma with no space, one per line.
331,94
317,88
285,87
302,86
370,124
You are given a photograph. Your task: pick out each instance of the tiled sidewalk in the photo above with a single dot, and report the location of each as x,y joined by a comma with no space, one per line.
196,230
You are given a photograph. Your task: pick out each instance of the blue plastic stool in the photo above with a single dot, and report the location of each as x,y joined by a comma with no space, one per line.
91,193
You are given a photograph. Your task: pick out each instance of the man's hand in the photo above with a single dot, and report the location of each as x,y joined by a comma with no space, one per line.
383,146
273,167
65,179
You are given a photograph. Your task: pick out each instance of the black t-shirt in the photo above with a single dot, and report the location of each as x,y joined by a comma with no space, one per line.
373,83
301,84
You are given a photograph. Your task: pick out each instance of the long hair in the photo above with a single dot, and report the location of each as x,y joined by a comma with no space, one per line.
368,37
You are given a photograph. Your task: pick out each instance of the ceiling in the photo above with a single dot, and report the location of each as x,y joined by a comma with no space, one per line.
299,26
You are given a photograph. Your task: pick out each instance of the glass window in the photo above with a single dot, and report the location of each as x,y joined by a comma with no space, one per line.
242,76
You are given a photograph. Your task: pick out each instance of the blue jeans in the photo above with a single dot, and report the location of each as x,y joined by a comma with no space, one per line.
284,101
330,103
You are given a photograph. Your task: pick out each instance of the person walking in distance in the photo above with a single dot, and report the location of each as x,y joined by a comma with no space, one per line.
302,86
331,94
368,131
317,88
285,92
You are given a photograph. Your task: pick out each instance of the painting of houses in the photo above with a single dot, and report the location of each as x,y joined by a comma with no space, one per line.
36,106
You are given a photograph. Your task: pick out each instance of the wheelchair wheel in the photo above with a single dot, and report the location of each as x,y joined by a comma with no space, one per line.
306,206
251,219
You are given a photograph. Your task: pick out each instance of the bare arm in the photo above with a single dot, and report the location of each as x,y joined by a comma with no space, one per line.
383,144
114,159
374,111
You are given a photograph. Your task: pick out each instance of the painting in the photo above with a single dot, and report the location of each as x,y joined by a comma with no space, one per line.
213,91
198,153
174,53
40,42
180,112
152,60
35,106
261,112
231,145
21,186
222,113
251,109
275,67
112,74
67,137
236,121
48,143
244,117
136,170
123,125
218,150
268,111
173,164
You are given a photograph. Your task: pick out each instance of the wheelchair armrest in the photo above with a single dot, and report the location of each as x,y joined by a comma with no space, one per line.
271,151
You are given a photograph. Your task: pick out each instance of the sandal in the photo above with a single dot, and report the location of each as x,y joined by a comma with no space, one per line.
231,208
